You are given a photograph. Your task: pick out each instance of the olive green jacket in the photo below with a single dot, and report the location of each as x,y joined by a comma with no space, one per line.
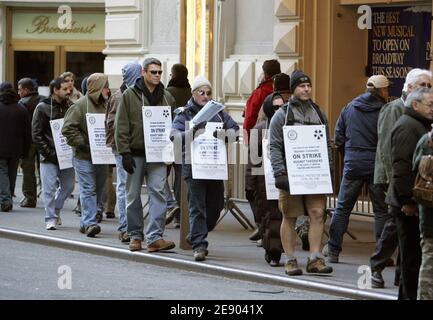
128,132
389,114
75,125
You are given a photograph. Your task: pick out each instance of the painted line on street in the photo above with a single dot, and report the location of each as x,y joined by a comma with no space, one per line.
201,267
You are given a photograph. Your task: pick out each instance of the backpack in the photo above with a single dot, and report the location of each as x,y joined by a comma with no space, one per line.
423,189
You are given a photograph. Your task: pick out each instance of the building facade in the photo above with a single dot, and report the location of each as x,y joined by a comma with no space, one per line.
225,40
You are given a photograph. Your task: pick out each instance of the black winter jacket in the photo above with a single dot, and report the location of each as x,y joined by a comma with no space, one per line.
15,132
31,101
404,138
41,130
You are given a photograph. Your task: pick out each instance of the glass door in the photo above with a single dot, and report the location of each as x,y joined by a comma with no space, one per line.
37,65
83,64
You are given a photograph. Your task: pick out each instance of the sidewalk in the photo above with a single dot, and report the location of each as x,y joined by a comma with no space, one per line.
228,244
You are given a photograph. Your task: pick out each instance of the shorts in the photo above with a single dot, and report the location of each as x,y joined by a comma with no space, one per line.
295,206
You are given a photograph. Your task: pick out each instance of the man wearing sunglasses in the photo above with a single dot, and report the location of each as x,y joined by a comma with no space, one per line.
205,197
147,91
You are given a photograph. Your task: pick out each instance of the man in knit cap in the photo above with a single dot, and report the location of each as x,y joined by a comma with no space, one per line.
205,197
131,72
300,110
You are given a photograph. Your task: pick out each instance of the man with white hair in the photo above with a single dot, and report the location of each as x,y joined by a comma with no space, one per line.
411,126
385,228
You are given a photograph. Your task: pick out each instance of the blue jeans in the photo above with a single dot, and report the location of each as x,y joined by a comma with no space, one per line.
54,197
8,176
91,179
347,197
171,201
156,176
205,202
121,193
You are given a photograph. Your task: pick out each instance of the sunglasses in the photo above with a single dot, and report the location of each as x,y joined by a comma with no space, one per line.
155,72
202,93
425,84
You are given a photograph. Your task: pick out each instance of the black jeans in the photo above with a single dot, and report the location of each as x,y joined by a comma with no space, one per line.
410,253
8,176
205,202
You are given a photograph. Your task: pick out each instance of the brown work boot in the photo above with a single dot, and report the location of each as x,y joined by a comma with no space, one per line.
159,245
135,245
318,266
292,269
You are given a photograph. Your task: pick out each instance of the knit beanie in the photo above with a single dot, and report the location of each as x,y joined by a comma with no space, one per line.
199,82
297,78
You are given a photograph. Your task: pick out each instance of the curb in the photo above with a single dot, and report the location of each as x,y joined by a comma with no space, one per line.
200,267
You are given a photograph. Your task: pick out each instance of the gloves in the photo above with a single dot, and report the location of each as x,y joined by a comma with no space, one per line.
250,195
128,163
200,128
84,147
282,182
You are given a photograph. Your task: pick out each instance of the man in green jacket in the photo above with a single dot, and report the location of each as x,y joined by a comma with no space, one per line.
91,178
129,137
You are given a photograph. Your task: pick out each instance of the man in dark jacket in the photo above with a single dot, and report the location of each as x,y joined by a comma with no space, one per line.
129,137
15,140
408,130
205,197
425,284
180,89
30,99
57,184
356,133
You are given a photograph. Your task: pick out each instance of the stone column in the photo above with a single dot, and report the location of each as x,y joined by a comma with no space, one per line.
136,29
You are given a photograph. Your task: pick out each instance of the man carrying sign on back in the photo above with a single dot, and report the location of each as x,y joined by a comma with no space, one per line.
300,110
129,137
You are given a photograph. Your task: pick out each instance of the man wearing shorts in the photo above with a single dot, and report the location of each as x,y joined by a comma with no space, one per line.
300,110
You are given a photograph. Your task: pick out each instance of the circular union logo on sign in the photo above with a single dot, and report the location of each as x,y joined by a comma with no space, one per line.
56,126
292,135
92,120
148,114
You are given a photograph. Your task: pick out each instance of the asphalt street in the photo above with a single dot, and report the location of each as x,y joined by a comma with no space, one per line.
30,271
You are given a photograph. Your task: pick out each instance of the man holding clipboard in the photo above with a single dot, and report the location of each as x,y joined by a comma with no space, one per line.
205,189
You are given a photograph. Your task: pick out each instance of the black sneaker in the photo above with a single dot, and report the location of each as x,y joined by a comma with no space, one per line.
99,216
200,254
377,280
171,213
26,203
6,207
91,231
110,215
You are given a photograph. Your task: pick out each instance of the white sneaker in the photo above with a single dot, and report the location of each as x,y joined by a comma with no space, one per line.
51,226
59,221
